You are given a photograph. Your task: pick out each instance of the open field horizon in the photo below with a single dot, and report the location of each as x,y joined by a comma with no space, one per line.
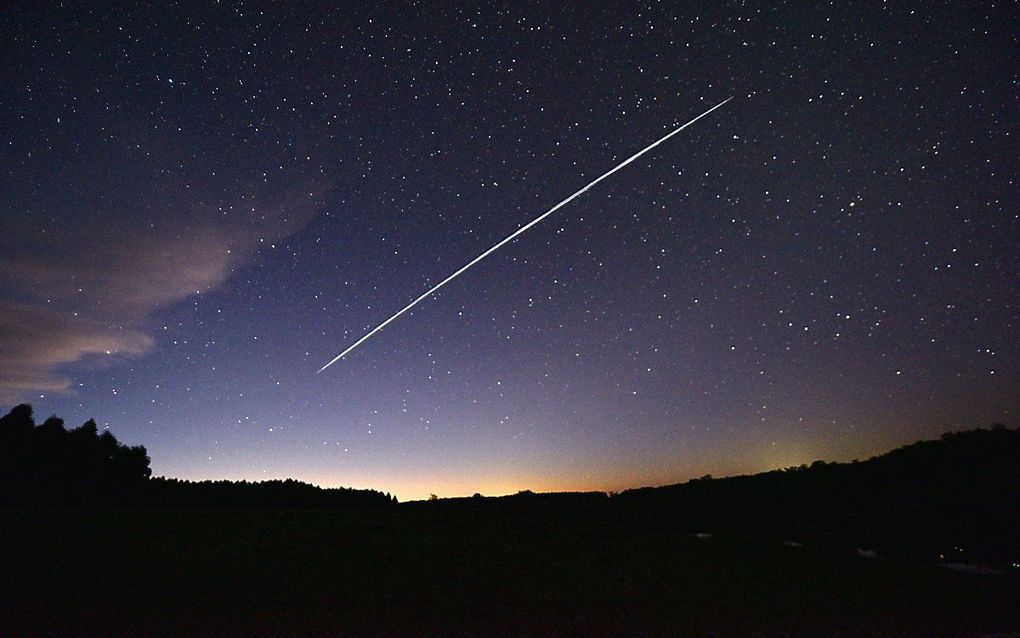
311,573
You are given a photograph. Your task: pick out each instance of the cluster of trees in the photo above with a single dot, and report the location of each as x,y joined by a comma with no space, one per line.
48,465
288,493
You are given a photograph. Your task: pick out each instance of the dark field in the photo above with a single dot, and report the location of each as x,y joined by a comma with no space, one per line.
421,570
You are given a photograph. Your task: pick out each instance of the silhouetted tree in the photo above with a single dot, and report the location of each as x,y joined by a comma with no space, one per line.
48,464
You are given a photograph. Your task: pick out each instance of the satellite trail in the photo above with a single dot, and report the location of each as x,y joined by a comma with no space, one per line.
516,233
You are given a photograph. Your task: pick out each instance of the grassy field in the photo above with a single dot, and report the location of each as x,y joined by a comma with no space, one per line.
416,570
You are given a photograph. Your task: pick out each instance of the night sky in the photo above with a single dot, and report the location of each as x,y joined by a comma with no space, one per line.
202,205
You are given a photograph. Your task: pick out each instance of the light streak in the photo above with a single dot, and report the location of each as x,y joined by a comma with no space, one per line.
516,233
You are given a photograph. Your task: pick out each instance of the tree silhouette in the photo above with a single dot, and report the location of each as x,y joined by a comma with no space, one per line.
48,464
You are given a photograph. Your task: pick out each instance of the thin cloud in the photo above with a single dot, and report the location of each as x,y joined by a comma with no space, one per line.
36,340
62,302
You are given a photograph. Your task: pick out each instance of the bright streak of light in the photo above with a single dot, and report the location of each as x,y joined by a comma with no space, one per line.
517,232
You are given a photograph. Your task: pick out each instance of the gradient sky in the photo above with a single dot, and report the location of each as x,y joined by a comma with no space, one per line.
201,206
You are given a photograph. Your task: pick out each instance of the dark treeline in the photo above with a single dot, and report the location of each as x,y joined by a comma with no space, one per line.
48,465
288,493
955,498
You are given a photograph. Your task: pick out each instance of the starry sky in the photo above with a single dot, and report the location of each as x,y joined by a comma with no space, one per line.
203,204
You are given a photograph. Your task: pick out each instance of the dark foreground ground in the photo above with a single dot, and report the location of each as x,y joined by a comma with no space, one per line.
414,570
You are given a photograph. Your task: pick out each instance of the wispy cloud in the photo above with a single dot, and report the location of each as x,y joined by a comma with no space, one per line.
89,292
36,340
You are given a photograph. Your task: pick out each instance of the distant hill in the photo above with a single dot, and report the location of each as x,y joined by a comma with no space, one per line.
954,498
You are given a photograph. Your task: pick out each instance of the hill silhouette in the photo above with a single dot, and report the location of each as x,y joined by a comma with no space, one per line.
954,498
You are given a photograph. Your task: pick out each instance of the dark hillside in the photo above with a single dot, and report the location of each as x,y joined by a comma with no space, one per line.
956,498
